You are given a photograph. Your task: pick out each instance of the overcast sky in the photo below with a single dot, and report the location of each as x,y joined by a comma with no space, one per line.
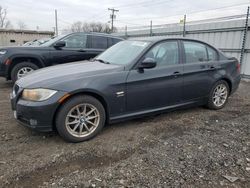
131,12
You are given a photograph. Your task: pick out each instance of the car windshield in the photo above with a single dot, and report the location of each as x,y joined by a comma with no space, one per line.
123,52
52,40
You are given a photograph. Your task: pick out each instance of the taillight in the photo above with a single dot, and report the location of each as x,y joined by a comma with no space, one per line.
7,62
238,67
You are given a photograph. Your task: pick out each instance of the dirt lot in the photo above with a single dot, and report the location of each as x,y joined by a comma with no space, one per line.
188,148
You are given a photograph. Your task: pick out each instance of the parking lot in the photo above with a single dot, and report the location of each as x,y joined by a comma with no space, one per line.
194,147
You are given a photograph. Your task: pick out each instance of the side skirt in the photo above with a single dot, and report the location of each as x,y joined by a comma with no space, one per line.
156,111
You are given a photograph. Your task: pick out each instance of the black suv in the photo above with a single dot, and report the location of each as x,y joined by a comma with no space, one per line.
16,62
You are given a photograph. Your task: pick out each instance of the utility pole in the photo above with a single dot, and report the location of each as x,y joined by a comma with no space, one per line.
56,28
126,31
151,28
112,17
184,26
244,41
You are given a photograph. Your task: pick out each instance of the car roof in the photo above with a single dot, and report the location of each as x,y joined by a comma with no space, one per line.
155,39
98,34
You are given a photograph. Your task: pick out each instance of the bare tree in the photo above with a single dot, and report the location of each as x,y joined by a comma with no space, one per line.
21,25
90,27
4,22
77,26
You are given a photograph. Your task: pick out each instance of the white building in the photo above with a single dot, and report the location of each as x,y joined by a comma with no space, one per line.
12,37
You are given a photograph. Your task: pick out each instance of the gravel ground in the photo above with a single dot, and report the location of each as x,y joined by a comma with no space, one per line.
188,148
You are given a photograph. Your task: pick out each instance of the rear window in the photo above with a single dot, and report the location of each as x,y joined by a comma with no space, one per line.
99,42
195,52
113,41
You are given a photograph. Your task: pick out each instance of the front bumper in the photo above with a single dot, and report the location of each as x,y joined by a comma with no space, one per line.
36,115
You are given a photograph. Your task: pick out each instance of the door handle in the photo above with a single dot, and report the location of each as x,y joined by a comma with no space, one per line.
81,50
176,73
212,67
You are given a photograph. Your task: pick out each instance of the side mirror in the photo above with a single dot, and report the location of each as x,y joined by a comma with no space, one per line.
59,44
147,63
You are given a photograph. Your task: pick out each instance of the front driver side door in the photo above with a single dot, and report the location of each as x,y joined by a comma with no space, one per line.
160,86
76,49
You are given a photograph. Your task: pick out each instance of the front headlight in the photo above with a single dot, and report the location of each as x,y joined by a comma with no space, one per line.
2,52
39,94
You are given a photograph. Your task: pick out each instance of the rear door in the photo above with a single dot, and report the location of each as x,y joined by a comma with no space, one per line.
199,69
160,86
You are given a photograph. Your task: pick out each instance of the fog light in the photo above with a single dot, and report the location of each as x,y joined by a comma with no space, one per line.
33,122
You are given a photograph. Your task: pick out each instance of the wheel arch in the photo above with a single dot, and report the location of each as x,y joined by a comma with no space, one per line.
91,93
229,82
18,59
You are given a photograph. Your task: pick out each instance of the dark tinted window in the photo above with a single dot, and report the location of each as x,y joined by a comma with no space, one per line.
114,40
195,52
76,41
212,54
99,42
165,53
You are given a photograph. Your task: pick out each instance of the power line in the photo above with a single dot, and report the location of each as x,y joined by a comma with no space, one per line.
144,3
186,13
127,6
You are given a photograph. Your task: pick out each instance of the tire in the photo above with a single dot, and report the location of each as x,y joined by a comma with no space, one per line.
224,98
68,119
17,68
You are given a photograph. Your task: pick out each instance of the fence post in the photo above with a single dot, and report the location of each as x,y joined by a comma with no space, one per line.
244,39
151,29
126,31
184,26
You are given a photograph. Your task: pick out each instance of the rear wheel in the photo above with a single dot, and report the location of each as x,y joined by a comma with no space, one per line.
80,119
219,95
22,69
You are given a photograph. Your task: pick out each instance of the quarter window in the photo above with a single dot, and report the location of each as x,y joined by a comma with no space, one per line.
76,41
165,53
195,52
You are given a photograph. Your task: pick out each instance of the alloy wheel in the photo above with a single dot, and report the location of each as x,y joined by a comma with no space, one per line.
220,95
82,120
24,71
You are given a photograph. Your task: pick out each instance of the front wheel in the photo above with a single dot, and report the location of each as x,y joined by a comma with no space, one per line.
219,95
80,119
22,69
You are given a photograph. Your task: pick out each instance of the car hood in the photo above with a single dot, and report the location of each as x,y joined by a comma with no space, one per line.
57,75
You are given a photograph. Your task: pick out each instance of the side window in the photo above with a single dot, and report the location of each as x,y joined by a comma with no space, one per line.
99,42
195,52
76,41
212,54
114,40
165,53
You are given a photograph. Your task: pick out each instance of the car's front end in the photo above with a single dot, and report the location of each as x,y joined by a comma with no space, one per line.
35,108
37,97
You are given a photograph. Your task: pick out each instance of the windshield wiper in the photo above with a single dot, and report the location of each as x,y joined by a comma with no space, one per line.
101,61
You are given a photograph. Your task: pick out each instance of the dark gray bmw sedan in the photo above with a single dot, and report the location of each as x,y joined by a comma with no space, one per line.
131,79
